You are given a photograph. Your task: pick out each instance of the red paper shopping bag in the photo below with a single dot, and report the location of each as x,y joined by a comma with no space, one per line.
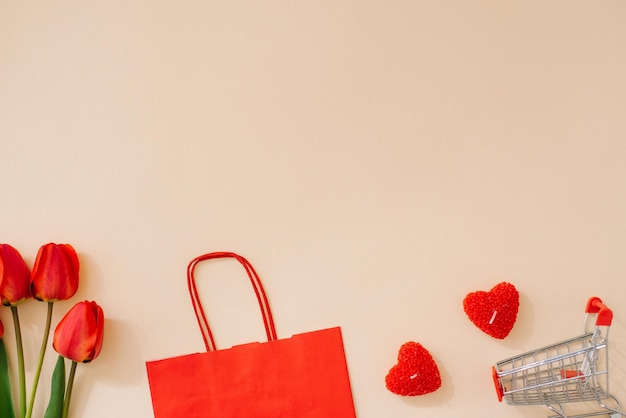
305,376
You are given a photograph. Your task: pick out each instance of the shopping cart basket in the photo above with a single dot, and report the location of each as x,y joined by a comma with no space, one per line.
575,370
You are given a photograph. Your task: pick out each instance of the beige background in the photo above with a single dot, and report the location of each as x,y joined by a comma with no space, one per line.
375,160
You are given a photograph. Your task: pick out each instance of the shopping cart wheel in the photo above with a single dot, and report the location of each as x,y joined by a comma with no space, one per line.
496,382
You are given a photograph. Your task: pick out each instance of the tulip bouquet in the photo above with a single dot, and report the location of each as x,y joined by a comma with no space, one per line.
77,337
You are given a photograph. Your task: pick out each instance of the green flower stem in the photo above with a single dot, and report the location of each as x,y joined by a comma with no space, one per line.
42,353
20,361
68,392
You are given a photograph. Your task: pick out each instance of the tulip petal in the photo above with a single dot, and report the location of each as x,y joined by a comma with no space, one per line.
79,334
72,257
55,273
14,276
99,314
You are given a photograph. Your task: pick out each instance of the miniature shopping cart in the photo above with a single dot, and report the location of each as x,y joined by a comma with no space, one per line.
575,370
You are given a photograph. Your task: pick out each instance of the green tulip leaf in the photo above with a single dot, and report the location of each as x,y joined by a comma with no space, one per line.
55,407
6,402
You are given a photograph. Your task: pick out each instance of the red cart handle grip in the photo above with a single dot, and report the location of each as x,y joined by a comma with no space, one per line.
604,314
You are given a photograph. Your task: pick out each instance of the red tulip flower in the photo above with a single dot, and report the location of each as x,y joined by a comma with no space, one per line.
55,273
1,330
14,276
78,336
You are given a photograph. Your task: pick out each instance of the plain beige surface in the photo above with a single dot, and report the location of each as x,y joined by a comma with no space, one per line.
376,161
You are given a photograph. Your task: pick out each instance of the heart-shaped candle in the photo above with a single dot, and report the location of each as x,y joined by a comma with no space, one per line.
416,372
493,312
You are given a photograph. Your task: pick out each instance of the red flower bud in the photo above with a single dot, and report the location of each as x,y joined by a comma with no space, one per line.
1,330
55,273
79,334
14,276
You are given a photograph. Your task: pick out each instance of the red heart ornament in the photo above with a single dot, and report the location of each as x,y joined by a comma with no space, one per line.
493,312
416,372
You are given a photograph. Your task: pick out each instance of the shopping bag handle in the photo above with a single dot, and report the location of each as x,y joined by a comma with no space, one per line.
604,316
266,313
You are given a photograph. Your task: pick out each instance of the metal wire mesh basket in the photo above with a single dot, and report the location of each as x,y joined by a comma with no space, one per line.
574,370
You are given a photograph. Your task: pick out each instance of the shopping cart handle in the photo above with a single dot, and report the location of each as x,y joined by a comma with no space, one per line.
604,314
